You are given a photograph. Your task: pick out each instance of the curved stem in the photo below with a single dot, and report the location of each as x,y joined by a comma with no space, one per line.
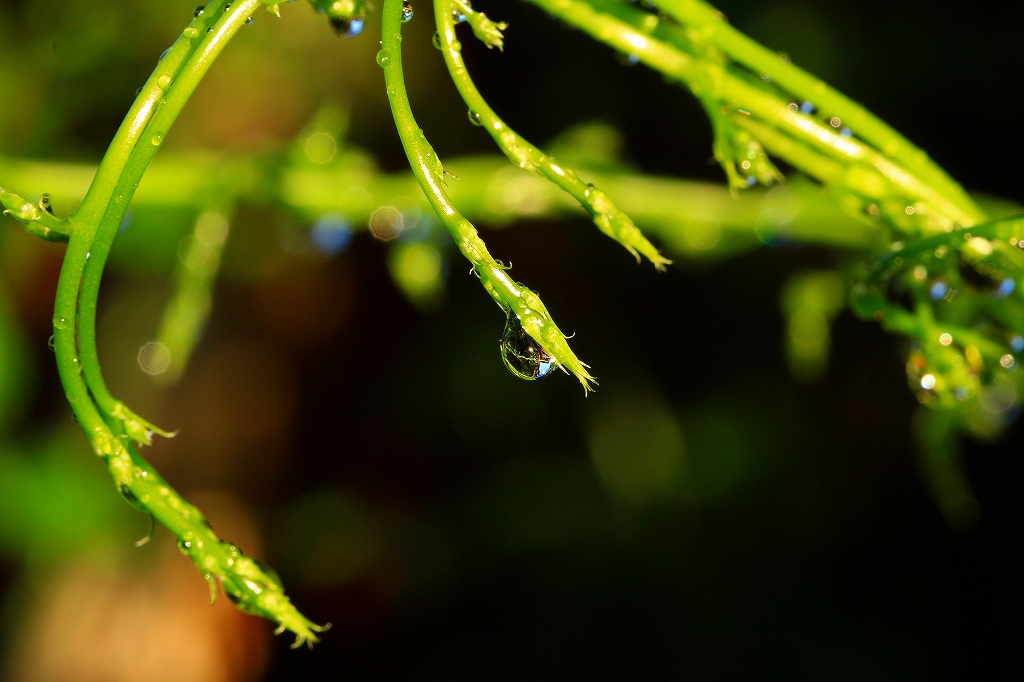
606,216
429,172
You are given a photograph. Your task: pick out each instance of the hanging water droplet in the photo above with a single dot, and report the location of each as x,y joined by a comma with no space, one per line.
198,11
51,343
349,28
138,91
406,10
185,546
474,118
437,41
248,21
523,356
209,30
383,57
227,7
163,54
457,16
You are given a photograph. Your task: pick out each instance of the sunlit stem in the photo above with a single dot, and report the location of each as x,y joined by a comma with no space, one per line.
617,25
427,169
164,96
607,217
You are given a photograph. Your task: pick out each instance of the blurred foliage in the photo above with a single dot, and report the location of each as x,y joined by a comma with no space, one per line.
702,514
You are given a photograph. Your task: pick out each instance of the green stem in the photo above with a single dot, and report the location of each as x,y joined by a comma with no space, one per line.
510,295
744,101
606,216
186,66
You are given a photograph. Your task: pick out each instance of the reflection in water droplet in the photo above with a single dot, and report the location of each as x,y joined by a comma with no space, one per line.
383,57
248,21
198,11
457,16
437,41
523,356
474,118
190,32
406,10
51,344
349,28
164,82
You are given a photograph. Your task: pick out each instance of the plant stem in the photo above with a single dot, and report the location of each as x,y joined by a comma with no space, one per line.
510,295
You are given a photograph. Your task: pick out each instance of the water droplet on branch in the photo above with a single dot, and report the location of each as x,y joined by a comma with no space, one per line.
406,10
523,356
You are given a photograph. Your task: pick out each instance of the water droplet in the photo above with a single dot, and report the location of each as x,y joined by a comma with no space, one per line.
209,30
164,82
130,498
457,16
1005,288
60,322
383,57
138,91
406,10
51,343
349,28
163,54
248,21
227,7
437,41
157,139
474,118
185,546
806,107
198,11
523,356
191,32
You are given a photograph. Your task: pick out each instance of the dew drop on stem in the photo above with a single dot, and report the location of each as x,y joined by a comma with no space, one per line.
522,355
383,57
406,10
474,118
437,41
198,11
349,28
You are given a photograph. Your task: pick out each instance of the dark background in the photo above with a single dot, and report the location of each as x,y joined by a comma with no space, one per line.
449,519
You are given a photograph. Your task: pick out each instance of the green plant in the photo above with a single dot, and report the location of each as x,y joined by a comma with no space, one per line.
916,235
